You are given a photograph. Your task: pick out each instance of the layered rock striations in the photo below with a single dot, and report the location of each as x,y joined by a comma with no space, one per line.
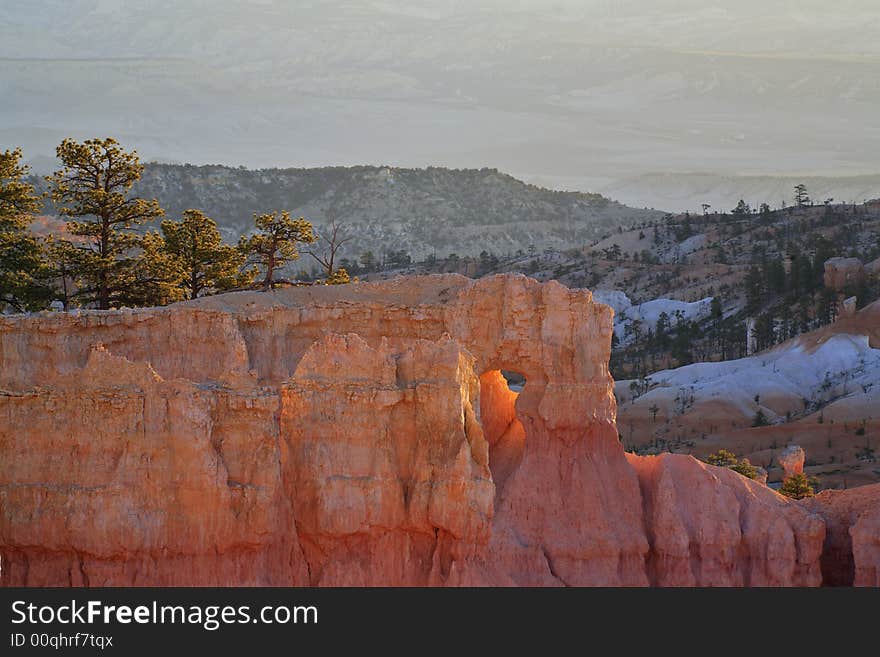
358,435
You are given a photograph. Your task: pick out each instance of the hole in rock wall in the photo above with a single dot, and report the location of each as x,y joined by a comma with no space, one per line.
503,430
515,381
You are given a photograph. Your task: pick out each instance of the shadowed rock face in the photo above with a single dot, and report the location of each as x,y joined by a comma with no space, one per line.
357,435
851,554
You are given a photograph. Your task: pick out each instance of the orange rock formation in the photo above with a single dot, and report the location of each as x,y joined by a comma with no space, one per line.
359,435
852,543
792,460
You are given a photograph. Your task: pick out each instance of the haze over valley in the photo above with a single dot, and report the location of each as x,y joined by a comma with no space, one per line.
620,98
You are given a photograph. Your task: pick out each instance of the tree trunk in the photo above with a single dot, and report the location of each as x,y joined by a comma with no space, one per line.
104,288
270,270
104,292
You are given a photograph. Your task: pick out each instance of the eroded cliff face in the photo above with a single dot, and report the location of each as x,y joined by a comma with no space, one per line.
357,435
711,526
851,554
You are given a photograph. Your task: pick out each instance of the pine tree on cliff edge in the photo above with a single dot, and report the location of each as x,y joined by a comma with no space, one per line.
93,190
274,243
207,264
22,265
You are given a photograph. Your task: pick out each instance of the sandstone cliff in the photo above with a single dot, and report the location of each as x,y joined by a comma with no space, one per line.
360,435
852,544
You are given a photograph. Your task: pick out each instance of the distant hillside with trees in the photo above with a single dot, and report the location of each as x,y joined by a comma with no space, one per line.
416,212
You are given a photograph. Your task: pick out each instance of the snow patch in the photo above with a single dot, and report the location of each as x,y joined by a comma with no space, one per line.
843,367
625,313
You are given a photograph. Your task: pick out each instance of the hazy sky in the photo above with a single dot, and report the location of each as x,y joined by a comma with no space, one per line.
571,94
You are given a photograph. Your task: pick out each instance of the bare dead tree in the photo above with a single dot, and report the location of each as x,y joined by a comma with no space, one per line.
328,243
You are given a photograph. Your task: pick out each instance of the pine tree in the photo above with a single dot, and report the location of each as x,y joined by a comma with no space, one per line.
22,265
61,258
662,329
765,331
827,308
369,263
754,284
685,335
207,265
760,419
727,459
742,209
797,486
93,190
155,279
339,276
774,274
716,309
824,250
786,323
274,245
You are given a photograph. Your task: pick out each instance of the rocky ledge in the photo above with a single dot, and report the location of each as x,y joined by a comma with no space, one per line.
364,435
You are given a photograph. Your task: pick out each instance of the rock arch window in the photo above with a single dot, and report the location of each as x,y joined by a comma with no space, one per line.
515,381
502,428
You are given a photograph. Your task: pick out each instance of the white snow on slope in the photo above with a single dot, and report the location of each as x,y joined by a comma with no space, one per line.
679,251
617,299
625,313
844,367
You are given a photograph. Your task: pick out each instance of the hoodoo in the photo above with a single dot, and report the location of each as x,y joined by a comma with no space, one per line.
364,435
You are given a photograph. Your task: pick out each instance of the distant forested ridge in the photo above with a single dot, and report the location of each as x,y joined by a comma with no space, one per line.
422,212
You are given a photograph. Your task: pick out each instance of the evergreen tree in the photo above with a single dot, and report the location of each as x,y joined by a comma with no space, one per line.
726,459
827,309
93,190
398,258
155,279
760,419
62,258
807,278
775,276
794,276
275,243
716,309
685,334
339,277
206,264
22,266
765,331
754,283
368,261
797,486
742,209
786,323
824,251
803,318
488,262
661,331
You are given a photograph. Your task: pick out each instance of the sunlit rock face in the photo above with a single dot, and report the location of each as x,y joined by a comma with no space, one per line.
711,526
358,435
